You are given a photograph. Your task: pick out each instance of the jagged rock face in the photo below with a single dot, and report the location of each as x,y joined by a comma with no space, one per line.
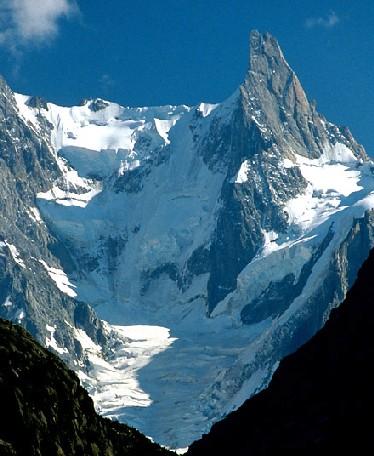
28,295
46,412
320,398
248,207
272,94
237,226
273,89
273,120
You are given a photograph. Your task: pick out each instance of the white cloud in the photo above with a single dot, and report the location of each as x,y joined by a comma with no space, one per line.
329,21
25,22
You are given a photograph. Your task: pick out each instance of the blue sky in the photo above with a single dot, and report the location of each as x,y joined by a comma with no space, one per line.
151,52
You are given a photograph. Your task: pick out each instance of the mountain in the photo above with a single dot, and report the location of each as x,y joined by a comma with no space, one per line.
320,398
211,241
45,411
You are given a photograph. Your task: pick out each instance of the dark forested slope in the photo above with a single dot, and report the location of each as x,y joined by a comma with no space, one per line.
44,411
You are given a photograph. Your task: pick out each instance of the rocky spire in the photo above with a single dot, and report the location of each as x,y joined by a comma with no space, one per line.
269,67
272,89
265,54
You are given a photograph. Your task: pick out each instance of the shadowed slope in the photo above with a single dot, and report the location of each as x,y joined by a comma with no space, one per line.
320,398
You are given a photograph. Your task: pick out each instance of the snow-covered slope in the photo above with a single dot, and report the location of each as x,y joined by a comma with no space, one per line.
99,137
213,239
